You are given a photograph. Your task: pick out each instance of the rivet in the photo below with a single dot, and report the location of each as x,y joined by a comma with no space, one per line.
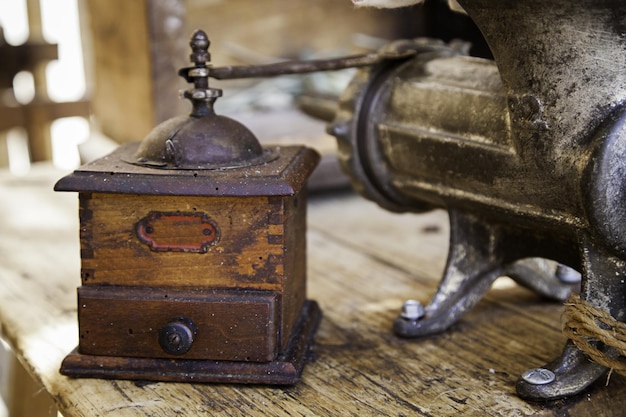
539,376
412,310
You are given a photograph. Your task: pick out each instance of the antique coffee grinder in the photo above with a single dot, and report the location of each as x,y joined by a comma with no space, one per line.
193,255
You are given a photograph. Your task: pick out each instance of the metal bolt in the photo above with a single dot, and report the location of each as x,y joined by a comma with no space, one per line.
198,94
567,275
412,310
539,376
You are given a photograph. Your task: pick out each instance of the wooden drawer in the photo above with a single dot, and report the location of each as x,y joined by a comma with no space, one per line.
246,243
166,323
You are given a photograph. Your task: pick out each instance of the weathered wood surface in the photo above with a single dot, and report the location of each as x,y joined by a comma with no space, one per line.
242,245
136,49
362,263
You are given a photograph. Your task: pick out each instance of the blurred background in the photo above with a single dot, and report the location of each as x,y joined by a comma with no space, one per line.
79,76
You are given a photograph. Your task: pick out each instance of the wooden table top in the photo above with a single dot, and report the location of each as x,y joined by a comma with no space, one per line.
363,262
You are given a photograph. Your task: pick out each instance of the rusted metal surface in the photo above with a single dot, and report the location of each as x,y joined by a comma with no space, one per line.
526,153
397,52
178,232
203,140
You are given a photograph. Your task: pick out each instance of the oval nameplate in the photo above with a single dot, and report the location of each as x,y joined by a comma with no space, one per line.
177,232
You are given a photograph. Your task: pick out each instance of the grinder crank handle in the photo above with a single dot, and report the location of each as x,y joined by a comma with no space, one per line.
324,107
303,67
397,50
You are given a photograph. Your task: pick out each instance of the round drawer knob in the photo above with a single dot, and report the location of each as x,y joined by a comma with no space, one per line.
177,336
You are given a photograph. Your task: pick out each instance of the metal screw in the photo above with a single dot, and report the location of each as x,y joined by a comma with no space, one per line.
174,339
412,310
567,275
539,376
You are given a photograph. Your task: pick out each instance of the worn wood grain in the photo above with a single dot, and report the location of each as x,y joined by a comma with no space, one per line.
362,263
116,257
136,48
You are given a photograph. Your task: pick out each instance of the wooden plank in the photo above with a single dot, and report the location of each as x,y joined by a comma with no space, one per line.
242,249
4,148
24,396
23,57
169,49
36,116
38,125
362,263
122,95
137,47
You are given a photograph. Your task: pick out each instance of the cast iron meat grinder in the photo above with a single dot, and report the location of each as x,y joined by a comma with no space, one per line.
526,153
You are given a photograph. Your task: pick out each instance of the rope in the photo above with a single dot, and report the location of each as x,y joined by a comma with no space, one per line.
586,325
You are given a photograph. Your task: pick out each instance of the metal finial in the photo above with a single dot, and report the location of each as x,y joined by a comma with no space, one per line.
200,46
202,97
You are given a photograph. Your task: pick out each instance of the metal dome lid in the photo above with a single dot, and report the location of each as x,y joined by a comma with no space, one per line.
202,140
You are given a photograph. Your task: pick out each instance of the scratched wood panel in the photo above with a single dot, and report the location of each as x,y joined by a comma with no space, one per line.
363,262
116,256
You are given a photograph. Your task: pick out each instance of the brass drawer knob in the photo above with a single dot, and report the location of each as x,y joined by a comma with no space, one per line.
176,337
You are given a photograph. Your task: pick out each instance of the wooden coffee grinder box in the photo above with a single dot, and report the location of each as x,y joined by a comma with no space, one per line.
193,252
